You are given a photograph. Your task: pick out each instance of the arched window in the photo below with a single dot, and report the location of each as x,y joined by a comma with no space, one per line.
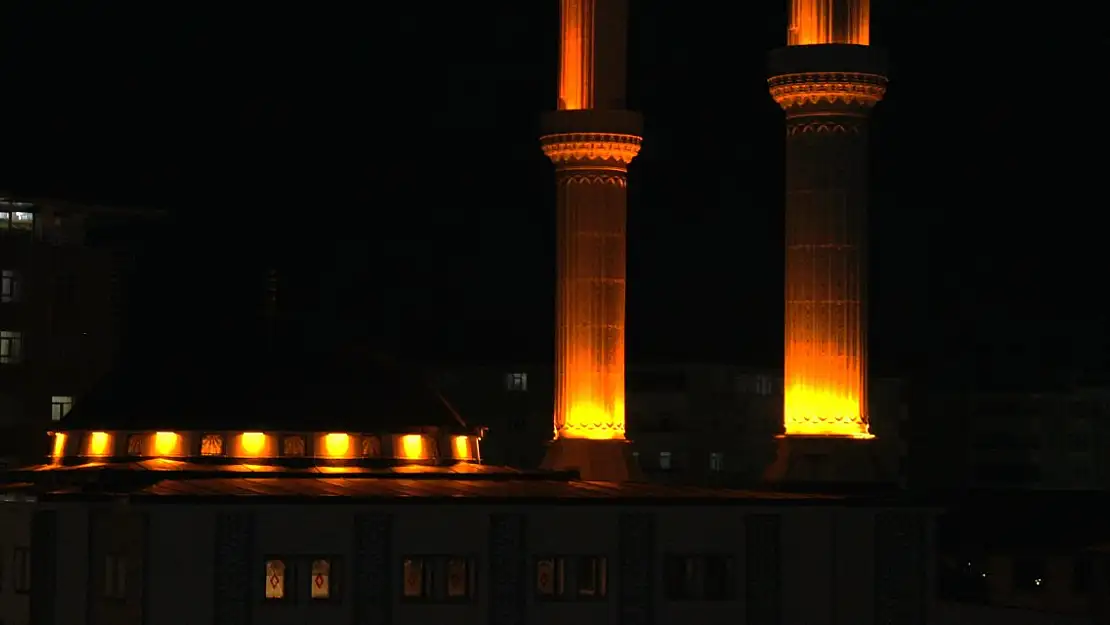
275,579
321,579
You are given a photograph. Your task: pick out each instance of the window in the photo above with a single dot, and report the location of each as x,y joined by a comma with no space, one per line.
23,221
11,286
716,461
418,579
588,579
460,576
371,447
324,584
11,347
592,579
17,220
679,578
550,577
516,382
21,569
763,385
275,579
293,446
60,405
665,460
212,445
438,578
699,578
115,577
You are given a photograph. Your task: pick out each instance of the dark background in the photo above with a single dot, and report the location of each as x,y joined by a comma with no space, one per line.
385,160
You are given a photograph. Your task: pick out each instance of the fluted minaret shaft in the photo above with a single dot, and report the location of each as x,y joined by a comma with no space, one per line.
591,141
829,21
827,91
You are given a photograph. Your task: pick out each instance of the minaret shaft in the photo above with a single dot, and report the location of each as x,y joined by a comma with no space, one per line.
591,141
829,21
826,235
827,85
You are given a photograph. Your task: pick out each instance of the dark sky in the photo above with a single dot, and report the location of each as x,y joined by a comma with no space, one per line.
386,159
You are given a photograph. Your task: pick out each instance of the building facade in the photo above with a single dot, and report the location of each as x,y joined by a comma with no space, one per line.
59,297
214,551
701,423
1014,440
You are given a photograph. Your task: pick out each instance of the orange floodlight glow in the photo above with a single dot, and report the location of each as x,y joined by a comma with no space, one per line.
99,444
167,444
252,443
412,447
815,22
337,445
576,55
59,449
462,448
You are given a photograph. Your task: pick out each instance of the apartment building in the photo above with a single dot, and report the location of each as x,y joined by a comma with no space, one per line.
60,293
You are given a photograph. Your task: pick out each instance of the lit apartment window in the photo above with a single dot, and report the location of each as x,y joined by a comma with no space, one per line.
11,347
11,286
60,405
516,382
115,577
21,574
665,460
17,220
717,461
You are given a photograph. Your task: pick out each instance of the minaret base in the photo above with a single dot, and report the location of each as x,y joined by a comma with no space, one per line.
594,460
802,460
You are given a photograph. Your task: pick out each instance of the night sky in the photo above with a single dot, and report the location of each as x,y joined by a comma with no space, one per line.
386,159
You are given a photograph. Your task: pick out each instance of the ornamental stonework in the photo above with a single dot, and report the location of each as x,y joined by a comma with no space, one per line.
591,149
832,88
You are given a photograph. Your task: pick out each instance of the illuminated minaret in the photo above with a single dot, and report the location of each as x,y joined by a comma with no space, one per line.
591,140
827,79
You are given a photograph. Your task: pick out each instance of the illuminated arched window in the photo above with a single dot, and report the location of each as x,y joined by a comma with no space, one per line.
212,445
275,579
321,579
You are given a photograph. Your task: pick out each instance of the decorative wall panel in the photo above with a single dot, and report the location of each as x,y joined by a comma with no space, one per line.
637,557
900,568
44,567
235,569
373,592
508,579
763,569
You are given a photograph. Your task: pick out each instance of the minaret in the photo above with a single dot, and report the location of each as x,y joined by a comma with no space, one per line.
591,140
827,79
